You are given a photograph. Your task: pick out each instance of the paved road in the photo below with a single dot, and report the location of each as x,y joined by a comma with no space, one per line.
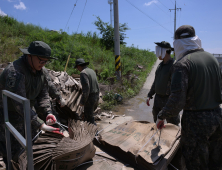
136,107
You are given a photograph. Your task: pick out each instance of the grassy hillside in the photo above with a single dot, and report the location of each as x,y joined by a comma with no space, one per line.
15,35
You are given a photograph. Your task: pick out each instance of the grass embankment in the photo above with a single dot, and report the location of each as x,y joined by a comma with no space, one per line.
15,35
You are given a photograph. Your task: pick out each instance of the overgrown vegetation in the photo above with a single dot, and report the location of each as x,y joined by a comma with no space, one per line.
90,46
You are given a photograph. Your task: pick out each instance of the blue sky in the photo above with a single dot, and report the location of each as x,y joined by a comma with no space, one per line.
149,20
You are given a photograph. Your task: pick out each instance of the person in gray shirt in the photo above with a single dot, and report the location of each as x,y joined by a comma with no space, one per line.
90,89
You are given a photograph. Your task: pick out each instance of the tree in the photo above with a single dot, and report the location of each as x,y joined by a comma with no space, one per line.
107,32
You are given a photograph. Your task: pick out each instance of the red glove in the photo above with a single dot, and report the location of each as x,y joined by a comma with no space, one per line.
45,127
50,119
148,101
159,123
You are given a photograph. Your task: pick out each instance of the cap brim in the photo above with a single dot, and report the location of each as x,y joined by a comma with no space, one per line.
84,64
157,43
161,45
25,51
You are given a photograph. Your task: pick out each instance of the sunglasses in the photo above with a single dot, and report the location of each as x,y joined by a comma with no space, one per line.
43,61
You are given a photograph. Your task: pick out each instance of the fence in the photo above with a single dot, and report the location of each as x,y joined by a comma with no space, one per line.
217,55
27,144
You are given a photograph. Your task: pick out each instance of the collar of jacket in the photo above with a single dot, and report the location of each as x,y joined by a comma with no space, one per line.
170,60
191,51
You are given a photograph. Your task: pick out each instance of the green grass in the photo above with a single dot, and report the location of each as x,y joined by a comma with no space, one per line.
15,35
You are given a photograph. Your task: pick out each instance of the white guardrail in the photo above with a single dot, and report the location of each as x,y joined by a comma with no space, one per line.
26,143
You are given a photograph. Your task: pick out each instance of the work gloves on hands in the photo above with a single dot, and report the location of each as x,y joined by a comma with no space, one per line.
45,127
50,119
148,101
159,123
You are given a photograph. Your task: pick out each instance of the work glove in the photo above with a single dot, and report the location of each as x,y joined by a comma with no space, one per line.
62,102
159,123
148,101
45,127
50,119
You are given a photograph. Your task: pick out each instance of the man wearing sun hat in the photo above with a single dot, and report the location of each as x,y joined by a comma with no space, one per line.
90,89
25,77
161,84
196,88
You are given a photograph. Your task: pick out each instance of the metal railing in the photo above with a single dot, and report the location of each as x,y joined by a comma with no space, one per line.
217,55
26,143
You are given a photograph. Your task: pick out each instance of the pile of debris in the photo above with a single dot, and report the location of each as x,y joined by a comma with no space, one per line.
71,91
53,151
104,115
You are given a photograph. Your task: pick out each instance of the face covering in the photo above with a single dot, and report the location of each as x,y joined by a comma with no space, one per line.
185,44
160,52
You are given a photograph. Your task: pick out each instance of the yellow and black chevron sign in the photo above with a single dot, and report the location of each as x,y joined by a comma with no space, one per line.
117,63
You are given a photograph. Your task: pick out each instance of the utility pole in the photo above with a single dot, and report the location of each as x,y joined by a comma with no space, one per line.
175,14
111,12
117,40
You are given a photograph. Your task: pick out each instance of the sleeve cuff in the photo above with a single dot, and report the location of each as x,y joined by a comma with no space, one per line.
150,96
161,115
37,123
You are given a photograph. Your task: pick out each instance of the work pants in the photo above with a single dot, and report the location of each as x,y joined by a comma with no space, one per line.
202,139
89,107
159,102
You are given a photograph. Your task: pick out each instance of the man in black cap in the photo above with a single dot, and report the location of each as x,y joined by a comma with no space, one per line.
161,84
196,88
25,77
90,89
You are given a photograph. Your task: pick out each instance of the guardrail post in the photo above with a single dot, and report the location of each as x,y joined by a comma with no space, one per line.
26,143
7,133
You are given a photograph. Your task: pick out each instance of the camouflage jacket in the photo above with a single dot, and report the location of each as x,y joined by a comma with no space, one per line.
19,78
152,90
179,98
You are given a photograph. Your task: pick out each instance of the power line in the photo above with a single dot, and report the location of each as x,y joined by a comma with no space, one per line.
148,16
149,26
172,1
75,34
161,9
78,25
82,15
71,14
163,4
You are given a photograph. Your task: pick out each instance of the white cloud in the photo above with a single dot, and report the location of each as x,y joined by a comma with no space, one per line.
20,6
2,13
151,2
